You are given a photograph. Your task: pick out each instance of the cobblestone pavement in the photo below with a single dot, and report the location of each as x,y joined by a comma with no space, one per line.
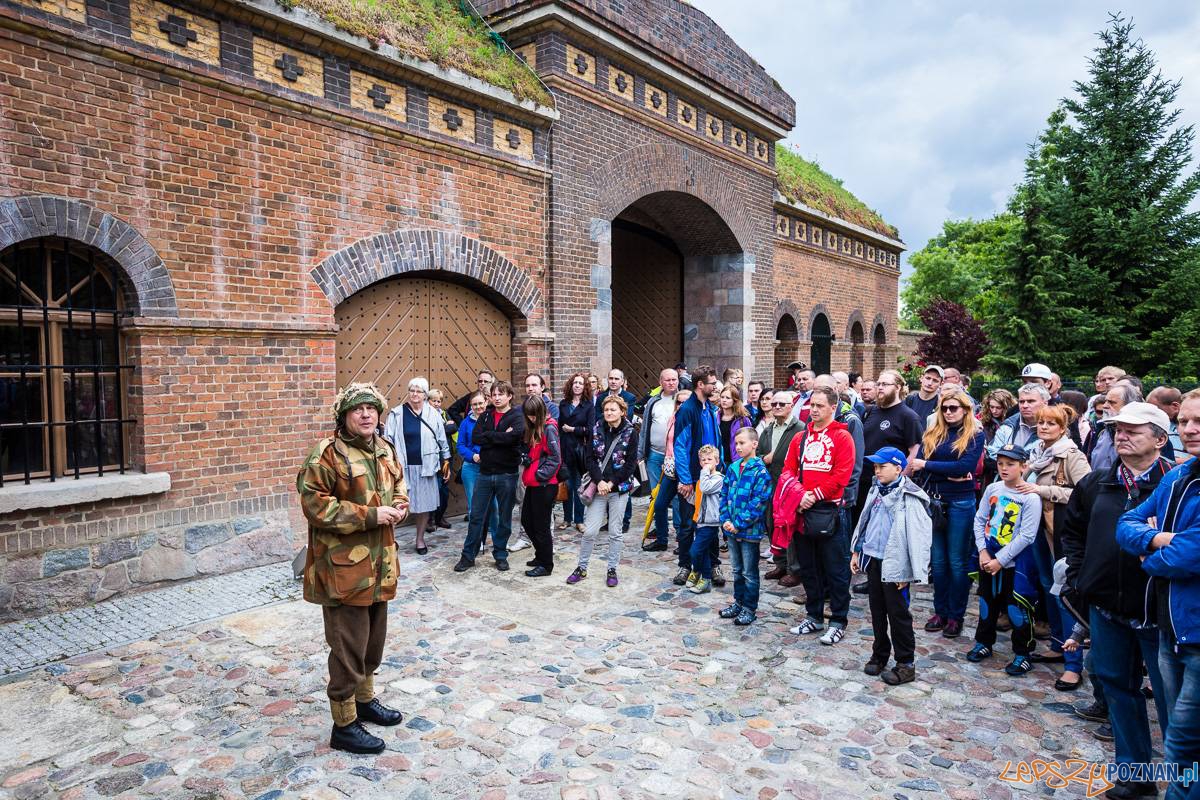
35,642
521,688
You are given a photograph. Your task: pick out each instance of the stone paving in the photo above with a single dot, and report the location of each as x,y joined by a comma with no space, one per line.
521,688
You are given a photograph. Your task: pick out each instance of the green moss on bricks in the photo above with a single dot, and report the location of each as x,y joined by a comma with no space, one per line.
432,30
805,182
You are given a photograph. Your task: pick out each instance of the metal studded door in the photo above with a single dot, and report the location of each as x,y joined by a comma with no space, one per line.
397,330
647,303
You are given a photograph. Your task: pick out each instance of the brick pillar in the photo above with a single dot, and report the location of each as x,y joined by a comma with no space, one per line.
718,297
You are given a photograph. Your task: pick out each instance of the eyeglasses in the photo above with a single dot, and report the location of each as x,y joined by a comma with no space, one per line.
784,404
946,409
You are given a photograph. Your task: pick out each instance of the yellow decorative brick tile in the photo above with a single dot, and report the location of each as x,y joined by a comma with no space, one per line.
368,93
528,52
762,151
782,226
75,10
816,235
169,28
714,129
656,100
801,231
289,68
685,114
858,248
580,64
737,138
451,119
831,241
870,253
512,139
620,82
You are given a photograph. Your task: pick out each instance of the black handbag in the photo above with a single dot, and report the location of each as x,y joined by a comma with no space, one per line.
939,509
821,519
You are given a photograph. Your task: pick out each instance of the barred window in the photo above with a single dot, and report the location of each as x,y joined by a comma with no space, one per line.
62,365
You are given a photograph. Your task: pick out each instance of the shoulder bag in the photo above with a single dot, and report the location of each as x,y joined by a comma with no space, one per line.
587,489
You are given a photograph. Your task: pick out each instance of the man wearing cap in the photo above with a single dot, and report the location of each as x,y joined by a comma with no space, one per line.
1113,584
925,401
1164,532
1036,373
352,492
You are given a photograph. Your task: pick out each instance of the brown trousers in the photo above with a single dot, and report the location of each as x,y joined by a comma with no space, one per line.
355,635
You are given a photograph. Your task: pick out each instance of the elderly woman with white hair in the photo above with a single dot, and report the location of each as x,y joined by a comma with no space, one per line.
416,429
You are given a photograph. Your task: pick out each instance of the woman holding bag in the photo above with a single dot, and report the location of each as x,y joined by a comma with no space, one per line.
945,468
611,459
541,458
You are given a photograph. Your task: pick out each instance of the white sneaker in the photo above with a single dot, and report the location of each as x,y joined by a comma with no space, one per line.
833,635
807,626
519,544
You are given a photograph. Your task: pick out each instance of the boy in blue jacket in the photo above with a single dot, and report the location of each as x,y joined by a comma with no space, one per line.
1164,531
744,499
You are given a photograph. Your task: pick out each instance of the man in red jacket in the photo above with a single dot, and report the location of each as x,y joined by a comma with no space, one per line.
823,461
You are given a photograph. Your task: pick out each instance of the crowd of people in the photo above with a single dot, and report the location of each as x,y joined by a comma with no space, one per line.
1075,517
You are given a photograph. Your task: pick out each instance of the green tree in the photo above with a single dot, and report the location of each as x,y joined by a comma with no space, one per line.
958,265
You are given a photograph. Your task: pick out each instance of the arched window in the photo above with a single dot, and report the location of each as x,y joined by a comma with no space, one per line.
62,368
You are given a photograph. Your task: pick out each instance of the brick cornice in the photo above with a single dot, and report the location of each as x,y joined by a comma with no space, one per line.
841,258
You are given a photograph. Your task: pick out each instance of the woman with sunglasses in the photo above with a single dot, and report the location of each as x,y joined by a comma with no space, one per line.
944,467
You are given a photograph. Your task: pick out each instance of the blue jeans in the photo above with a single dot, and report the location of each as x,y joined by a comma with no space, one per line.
572,506
743,560
488,488
952,558
470,474
701,544
1118,653
1060,619
654,465
1181,684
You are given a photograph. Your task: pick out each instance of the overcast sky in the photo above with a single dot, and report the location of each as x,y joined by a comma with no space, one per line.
925,109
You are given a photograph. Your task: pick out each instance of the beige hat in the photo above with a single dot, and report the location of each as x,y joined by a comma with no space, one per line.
1142,414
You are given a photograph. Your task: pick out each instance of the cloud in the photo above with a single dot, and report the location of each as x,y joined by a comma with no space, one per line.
926,109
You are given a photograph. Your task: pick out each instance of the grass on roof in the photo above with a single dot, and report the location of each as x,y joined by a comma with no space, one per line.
805,182
440,31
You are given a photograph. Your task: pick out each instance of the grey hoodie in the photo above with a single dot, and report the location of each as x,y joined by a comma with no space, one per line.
711,482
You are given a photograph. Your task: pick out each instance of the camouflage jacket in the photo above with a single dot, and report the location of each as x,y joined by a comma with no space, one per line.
351,558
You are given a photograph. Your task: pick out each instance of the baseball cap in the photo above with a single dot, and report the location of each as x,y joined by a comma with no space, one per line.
1013,451
889,455
1036,370
1142,414
934,367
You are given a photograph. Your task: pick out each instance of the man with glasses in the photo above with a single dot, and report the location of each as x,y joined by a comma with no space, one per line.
1113,585
459,408
697,423
773,445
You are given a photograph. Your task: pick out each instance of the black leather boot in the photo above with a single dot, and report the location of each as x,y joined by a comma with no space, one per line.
354,738
378,713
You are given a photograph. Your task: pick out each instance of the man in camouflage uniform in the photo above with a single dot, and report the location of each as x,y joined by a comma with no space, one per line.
352,492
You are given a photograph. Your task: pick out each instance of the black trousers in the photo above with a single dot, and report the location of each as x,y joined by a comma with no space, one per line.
889,610
537,510
996,595
825,572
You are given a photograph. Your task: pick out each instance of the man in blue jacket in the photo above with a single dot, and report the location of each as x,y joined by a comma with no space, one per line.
697,423
1164,532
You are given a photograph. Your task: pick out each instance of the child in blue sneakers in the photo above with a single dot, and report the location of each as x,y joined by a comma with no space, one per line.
1006,525
744,499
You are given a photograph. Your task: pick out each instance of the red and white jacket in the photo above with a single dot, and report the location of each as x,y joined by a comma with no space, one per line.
828,460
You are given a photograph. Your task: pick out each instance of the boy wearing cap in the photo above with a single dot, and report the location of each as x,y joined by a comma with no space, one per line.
1006,524
891,545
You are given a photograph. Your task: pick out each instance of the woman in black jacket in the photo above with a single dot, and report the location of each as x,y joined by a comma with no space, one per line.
611,457
576,417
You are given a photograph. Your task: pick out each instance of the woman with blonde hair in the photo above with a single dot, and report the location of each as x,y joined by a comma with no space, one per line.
1055,465
945,467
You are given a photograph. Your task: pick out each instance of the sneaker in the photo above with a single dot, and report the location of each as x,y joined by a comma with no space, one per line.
978,653
833,635
718,578
463,564
901,673
654,547
702,586
520,544
1019,666
575,577
953,629
1104,732
692,578
611,579
502,564
745,618
809,625
935,623
682,576
730,611
874,667
1094,712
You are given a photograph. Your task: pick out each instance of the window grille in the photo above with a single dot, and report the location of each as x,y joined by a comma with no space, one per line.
62,368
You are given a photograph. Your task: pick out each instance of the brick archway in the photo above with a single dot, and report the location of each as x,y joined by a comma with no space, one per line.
401,252
146,283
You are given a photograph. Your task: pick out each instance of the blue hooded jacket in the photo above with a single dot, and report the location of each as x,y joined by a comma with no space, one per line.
696,425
